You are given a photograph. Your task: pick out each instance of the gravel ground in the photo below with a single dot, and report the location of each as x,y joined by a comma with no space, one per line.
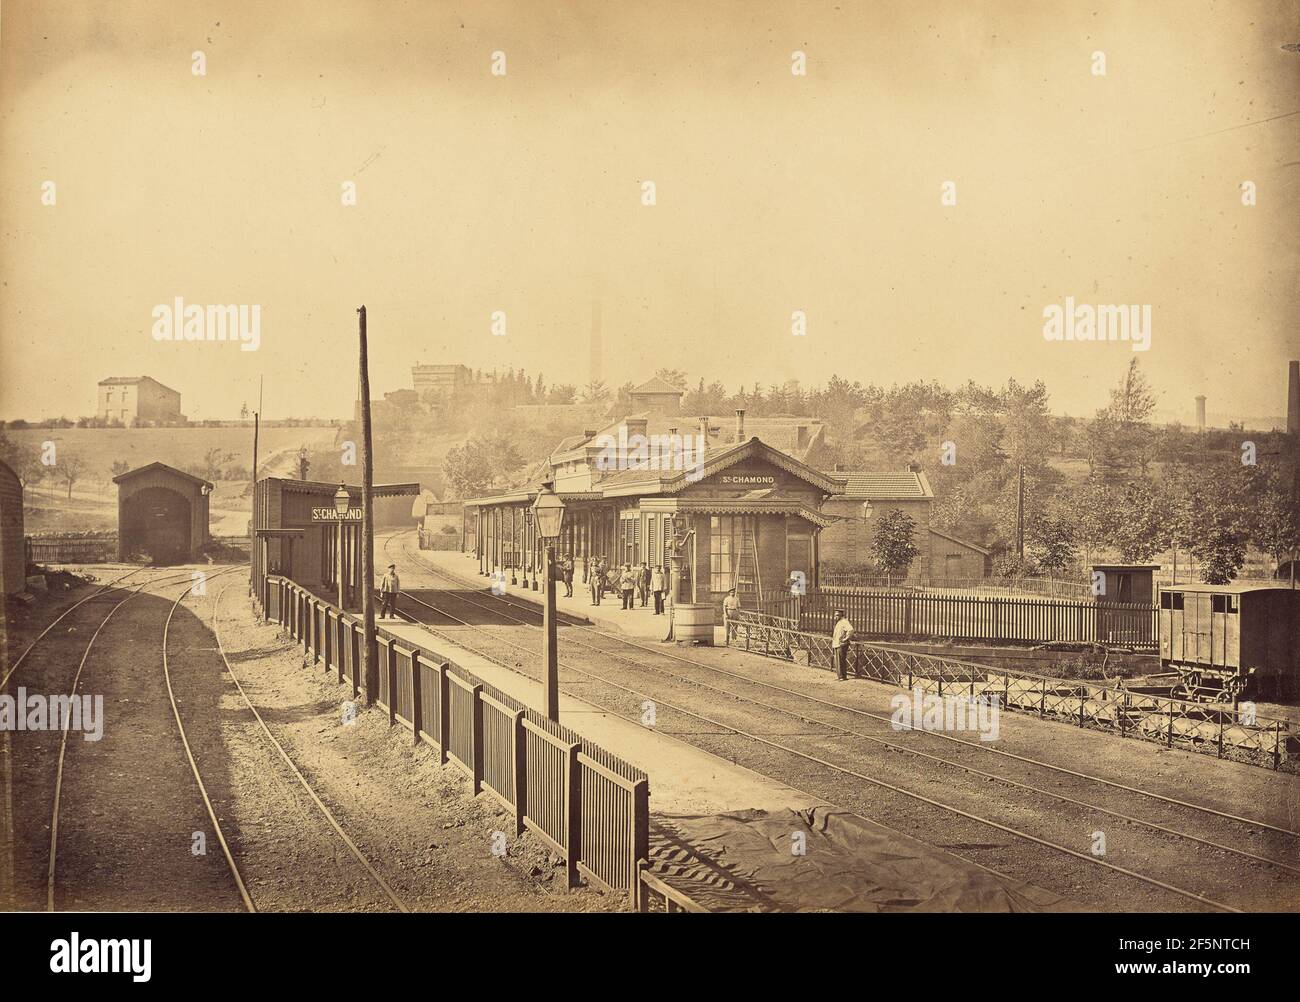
130,807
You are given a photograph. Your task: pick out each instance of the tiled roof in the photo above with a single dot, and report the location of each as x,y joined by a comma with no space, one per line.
658,385
891,486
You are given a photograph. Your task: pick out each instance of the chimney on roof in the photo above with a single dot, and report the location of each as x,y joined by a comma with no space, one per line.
704,429
588,432
740,424
1200,414
839,467
635,426
914,466
1293,399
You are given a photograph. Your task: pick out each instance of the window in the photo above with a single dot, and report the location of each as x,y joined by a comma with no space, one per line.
723,548
1218,603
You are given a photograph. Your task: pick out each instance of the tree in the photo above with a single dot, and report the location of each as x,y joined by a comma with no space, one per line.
596,392
1140,517
120,466
24,460
213,460
1052,542
562,393
1273,513
471,468
69,469
674,377
894,543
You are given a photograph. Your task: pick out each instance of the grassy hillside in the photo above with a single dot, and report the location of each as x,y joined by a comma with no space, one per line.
100,448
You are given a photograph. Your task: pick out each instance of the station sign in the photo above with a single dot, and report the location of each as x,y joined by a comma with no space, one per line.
330,515
749,480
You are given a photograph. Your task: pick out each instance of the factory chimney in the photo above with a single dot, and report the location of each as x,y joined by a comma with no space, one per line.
1293,400
1200,414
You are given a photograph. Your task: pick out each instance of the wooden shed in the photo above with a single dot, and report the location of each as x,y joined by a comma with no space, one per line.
13,560
162,512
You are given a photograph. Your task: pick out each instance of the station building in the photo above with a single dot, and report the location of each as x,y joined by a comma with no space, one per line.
296,532
162,512
746,513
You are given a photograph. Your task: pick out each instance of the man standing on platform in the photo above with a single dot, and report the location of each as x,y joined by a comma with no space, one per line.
840,637
730,605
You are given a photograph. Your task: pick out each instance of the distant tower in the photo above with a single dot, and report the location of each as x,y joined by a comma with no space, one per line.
1200,414
1293,400
594,361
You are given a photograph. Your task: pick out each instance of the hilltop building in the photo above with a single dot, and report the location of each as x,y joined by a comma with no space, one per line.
133,400
439,382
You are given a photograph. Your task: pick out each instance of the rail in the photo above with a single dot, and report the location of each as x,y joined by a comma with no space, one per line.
1237,732
590,807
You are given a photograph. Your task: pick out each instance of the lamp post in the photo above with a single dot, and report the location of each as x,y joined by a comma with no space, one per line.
528,545
342,502
548,516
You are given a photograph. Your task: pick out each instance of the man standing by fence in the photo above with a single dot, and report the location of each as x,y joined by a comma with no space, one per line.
840,637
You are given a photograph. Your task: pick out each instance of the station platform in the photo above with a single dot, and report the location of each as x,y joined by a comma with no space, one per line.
722,834
684,779
640,622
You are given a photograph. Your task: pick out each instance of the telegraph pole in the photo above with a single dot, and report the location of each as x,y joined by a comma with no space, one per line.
1020,514
255,545
368,656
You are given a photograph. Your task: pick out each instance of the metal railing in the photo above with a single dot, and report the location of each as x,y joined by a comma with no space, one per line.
1232,732
587,805
1045,587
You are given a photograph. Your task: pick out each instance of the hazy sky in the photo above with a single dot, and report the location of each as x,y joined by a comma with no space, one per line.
522,193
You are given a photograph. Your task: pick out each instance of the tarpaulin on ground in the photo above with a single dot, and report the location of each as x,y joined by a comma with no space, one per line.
824,859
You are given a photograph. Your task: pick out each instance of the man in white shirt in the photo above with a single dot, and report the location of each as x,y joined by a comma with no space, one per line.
389,586
729,605
840,637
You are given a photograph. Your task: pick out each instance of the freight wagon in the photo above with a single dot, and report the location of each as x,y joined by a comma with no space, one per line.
1225,641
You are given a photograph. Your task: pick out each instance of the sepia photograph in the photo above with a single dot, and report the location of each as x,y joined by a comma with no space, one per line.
597,459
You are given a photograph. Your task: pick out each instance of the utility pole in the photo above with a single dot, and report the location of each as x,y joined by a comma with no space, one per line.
1020,514
369,660
255,564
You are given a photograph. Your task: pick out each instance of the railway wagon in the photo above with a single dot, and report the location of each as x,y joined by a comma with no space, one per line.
1225,641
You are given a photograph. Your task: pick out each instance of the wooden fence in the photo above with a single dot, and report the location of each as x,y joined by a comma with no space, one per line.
1046,587
1233,732
590,807
922,616
83,550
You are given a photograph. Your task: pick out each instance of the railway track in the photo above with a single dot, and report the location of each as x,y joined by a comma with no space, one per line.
325,812
733,685
98,622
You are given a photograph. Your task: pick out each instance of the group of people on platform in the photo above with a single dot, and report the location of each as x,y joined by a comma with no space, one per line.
632,582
